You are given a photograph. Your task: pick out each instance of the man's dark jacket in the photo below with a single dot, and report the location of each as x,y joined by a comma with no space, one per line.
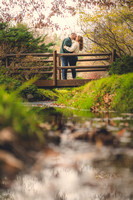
68,42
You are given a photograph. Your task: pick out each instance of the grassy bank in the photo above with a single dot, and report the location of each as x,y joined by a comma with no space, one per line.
112,93
29,92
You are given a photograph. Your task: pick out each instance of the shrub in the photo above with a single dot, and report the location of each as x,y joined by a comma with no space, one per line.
30,92
23,120
122,65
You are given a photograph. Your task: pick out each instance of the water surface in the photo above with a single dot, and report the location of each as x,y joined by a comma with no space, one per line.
80,168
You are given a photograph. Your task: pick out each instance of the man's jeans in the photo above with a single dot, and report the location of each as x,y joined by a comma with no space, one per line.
71,60
65,61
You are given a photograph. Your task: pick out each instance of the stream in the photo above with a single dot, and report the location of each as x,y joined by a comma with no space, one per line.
94,160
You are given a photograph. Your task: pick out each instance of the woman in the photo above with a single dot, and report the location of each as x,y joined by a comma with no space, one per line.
77,45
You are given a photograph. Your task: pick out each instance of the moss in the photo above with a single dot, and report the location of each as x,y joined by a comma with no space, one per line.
112,93
49,94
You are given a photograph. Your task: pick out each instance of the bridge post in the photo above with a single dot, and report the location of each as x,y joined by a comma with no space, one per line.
113,56
7,62
59,69
58,65
55,68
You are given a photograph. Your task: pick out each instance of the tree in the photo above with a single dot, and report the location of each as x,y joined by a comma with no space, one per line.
109,29
40,12
19,39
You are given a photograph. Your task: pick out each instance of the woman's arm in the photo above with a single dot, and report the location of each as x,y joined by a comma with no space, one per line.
72,48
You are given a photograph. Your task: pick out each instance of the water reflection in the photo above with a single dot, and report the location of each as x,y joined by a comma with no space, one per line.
80,170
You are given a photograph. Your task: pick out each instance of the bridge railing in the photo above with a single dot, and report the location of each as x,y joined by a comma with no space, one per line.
30,63
50,64
108,57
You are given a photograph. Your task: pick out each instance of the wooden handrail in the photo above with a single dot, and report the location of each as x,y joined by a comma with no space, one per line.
84,54
37,67
58,54
30,54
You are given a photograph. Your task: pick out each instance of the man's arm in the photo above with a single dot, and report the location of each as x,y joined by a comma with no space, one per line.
67,42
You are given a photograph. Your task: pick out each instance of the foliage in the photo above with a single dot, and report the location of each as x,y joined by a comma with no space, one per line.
15,115
110,93
20,38
49,94
107,29
122,65
39,13
32,93
9,83
29,92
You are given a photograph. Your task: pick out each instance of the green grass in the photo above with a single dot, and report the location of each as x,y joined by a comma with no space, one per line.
49,94
112,93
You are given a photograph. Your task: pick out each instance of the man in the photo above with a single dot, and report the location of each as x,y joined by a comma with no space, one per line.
66,59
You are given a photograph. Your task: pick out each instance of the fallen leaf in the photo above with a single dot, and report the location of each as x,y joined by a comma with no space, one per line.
121,132
7,135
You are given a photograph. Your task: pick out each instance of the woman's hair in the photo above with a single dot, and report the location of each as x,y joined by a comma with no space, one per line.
80,41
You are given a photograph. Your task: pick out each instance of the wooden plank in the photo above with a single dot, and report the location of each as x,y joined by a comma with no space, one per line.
92,59
51,55
59,70
55,68
59,74
83,67
113,55
30,72
61,83
44,83
29,60
30,54
33,61
51,72
59,64
7,62
89,70
84,54
72,83
31,68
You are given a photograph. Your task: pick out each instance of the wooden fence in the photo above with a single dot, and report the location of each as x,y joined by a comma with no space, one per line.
54,68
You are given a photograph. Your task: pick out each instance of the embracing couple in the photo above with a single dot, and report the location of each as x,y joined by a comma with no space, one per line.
72,44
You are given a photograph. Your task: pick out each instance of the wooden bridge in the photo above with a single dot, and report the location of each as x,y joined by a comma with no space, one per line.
50,65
